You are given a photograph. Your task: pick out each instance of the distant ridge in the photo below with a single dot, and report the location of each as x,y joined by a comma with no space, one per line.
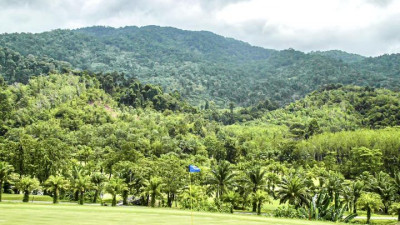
204,66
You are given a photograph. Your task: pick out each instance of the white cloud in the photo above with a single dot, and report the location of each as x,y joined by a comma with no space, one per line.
366,27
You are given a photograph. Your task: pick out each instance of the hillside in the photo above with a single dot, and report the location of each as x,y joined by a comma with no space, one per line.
65,125
205,66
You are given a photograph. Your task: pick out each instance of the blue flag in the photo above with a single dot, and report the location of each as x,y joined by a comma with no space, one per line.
194,169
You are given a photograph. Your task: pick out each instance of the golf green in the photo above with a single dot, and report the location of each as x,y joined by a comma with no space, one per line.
19,213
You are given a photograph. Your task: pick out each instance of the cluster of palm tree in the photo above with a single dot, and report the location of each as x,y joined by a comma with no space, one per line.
314,192
307,190
79,183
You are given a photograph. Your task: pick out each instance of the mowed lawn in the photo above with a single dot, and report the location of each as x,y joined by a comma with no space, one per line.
44,214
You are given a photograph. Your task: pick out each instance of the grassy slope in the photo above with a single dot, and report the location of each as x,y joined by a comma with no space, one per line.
18,213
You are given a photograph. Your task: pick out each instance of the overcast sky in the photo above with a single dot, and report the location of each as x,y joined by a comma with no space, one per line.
367,27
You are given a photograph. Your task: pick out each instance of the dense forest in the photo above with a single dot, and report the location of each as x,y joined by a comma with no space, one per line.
203,66
125,111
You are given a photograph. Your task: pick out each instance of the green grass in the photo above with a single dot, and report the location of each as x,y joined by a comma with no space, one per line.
20,213
16,197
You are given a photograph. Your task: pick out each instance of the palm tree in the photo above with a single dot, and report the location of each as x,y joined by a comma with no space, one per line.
97,179
395,208
292,189
5,171
272,180
231,197
333,183
27,185
221,178
76,172
127,175
259,198
383,184
370,201
357,187
153,189
256,179
114,187
55,184
81,184
397,183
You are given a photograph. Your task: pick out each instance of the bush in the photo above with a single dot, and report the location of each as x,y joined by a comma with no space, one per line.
286,211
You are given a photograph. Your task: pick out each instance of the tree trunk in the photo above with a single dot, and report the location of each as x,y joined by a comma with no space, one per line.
153,200
125,195
142,201
254,202
76,196
231,207
55,196
114,200
96,194
368,215
386,208
81,197
26,196
355,205
169,199
254,206
398,215
1,189
259,208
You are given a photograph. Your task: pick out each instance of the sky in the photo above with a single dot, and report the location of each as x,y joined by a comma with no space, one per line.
366,27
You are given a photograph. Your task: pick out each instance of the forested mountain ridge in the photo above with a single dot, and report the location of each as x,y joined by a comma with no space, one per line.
204,66
338,108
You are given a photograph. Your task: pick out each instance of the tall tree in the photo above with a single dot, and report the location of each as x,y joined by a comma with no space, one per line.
357,188
98,180
221,178
256,178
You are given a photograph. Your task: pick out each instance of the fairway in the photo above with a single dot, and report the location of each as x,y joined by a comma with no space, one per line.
18,213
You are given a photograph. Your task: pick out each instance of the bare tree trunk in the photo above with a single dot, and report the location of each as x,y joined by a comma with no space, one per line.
125,195
96,194
81,197
26,196
1,190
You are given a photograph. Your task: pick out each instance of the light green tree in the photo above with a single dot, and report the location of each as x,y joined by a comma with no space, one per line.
27,185
370,202
82,184
395,209
55,184
98,180
231,197
153,189
260,197
5,172
115,186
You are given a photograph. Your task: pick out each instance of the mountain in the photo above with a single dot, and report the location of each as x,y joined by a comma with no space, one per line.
341,55
204,66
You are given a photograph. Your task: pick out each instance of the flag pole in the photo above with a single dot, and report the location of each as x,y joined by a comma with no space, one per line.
191,199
